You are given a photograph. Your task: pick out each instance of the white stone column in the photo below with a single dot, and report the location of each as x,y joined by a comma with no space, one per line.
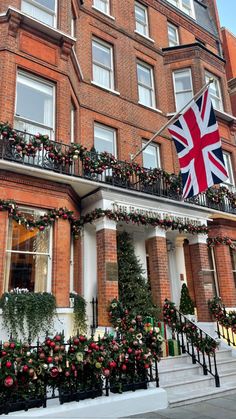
180,268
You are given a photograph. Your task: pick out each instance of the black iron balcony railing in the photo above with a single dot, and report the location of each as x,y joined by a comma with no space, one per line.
74,160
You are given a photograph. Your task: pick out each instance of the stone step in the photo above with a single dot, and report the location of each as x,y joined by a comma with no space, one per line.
190,383
193,396
184,372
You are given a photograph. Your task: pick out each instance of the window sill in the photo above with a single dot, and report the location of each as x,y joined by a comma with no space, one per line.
151,108
103,13
144,36
105,88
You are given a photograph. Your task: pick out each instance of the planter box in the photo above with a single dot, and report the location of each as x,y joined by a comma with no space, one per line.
66,397
116,388
15,406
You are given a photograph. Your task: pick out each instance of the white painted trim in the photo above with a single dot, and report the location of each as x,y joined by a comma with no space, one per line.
144,36
198,239
156,232
105,88
40,25
150,107
105,224
64,310
103,13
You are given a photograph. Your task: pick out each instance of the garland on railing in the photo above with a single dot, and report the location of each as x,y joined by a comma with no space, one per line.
225,318
206,344
218,195
30,222
216,241
97,163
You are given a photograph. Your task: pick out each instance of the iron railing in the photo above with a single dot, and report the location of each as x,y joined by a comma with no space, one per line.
197,349
225,329
162,184
76,387
94,324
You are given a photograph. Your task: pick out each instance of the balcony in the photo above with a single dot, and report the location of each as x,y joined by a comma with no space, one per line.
75,161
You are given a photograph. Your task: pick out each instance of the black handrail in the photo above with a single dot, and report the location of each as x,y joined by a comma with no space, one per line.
196,343
225,330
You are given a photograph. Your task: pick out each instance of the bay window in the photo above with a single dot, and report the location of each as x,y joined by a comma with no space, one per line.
215,91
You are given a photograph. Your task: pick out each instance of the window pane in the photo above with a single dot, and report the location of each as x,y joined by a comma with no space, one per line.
101,5
144,75
104,139
140,14
172,35
37,13
228,165
150,157
34,100
140,28
182,99
101,76
182,81
101,54
145,96
50,4
27,257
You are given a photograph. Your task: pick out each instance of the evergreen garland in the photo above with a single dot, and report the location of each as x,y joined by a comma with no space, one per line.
134,291
186,304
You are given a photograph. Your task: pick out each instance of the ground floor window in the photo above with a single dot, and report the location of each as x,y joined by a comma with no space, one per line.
213,271
28,261
233,261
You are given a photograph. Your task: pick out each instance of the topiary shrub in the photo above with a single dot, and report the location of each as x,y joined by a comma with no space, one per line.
186,304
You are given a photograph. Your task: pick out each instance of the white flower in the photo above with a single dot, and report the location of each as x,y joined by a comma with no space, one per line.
160,338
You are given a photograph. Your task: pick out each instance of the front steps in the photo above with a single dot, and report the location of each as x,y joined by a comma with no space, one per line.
186,384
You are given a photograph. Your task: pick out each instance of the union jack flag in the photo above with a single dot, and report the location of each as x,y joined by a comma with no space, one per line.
198,145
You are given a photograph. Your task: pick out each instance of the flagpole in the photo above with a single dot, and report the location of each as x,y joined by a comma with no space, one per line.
174,117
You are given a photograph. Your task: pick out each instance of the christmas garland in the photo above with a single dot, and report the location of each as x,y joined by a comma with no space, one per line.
207,344
225,319
46,220
216,241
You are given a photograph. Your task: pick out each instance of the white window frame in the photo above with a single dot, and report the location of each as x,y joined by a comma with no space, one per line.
179,5
183,91
214,271
107,6
72,122
151,88
44,9
146,24
157,154
233,265
110,129
219,98
32,122
111,69
49,254
176,29
73,23
230,182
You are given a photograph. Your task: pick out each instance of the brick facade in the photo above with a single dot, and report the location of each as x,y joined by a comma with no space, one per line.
52,55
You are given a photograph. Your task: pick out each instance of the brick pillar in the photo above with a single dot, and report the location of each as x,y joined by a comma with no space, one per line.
226,283
202,278
107,269
3,245
61,262
158,266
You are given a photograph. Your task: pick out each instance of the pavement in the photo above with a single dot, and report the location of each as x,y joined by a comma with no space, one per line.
219,408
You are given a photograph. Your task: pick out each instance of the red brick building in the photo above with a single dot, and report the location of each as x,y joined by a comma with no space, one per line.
229,45
108,75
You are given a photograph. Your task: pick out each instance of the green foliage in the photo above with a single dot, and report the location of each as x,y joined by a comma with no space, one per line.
80,320
186,304
134,291
27,313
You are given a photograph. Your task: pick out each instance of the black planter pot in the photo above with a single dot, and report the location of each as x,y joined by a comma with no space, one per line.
66,397
15,406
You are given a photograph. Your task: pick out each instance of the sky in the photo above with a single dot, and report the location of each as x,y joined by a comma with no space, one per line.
227,13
